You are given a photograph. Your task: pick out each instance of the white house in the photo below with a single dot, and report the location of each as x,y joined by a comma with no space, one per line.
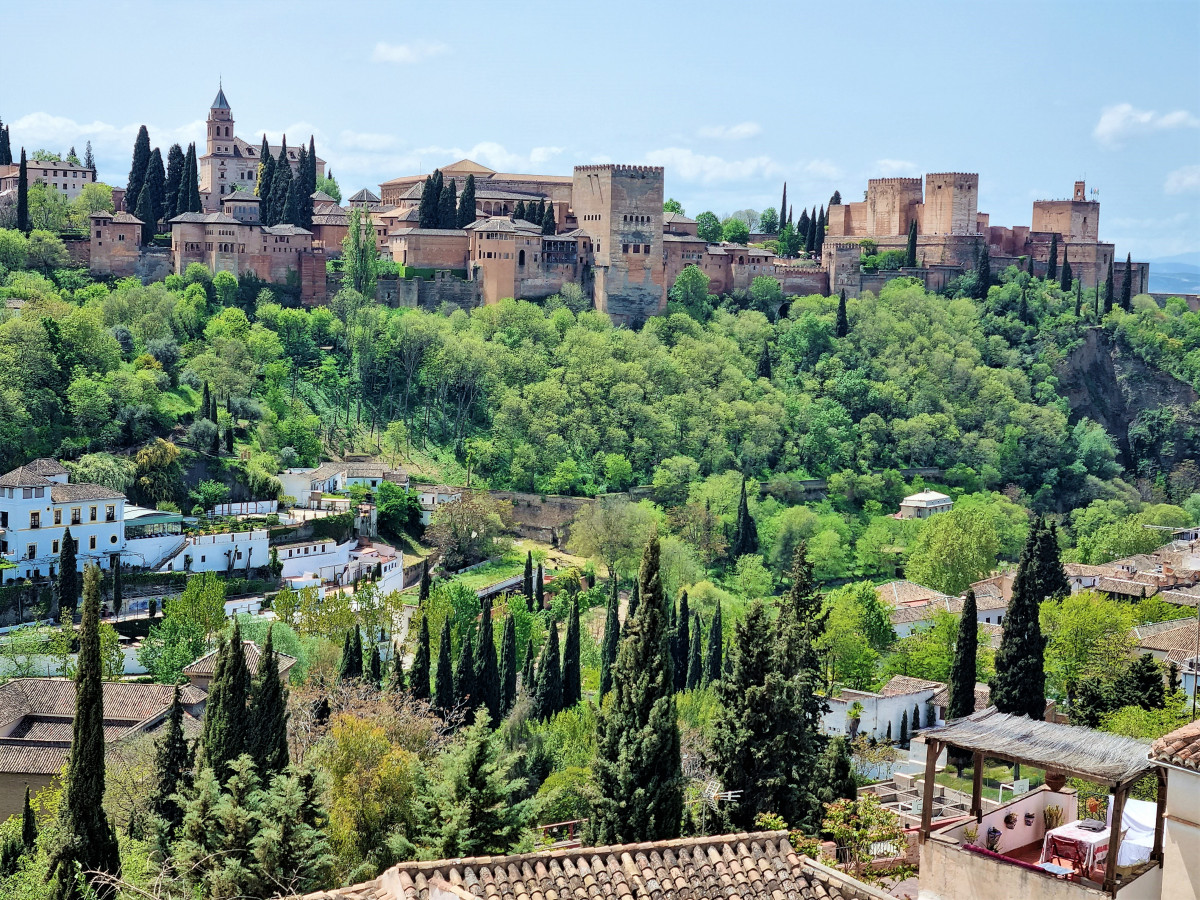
323,557
38,503
337,478
230,553
924,505
882,713
433,496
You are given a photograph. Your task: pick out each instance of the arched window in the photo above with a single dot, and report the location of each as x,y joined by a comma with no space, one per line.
521,258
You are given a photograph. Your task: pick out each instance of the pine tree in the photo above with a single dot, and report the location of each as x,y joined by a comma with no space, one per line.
572,687
548,698
548,226
910,251
281,182
23,195
1064,283
175,165
681,644
712,661
519,211
87,840
225,736
1127,284
764,362
137,171
612,638
842,328
443,685
1019,686
539,588
508,666
68,575
695,668
1052,262
488,688
173,759
637,757
465,695
745,535
466,203
527,580
418,678
962,673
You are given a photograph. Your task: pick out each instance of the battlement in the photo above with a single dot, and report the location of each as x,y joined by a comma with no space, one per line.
903,182
952,175
618,169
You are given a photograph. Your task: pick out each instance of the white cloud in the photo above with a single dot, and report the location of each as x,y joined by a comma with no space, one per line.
407,54
822,168
738,132
1123,121
1183,180
890,168
367,141
691,166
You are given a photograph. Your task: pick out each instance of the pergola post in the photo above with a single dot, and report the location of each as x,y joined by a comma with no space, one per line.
1160,817
977,786
933,749
1114,838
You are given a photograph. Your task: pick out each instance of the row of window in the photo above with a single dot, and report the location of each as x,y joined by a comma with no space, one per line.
641,219
110,515
31,549
637,248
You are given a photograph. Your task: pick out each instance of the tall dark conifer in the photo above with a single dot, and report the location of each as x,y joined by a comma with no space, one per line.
68,575
268,716
466,203
488,689
1019,686
150,202
465,695
189,189
173,759
612,638
23,195
29,828
426,583
6,145
745,535
225,736
842,325
529,671
983,272
1064,283
374,672
281,183
266,177
547,223
443,685
175,165
962,674
356,653
447,207
637,757
712,661
418,678
572,687
527,580
783,207
508,666
1109,288
1052,261
300,186
820,231
539,588
764,362
634,602
1127,284
87,841
695,668
548,698
427,209
681,644
910,250
137,170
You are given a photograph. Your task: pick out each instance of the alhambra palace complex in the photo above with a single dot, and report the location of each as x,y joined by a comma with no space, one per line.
611,236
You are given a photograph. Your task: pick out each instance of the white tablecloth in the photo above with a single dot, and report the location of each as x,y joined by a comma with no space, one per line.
1095,843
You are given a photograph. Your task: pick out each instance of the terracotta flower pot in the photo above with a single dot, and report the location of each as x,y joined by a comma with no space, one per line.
1055,780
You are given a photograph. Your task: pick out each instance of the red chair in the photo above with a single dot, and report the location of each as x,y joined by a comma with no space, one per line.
1067,850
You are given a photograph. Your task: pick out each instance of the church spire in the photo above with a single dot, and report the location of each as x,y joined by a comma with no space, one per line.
220,102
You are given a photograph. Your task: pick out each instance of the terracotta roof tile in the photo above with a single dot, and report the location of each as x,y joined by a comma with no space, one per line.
1179,748
903,684
206,664
1182,637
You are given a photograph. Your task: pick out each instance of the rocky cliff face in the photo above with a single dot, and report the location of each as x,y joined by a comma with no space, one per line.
1110,386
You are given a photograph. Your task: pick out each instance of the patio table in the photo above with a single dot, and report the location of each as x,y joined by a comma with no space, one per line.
1094,843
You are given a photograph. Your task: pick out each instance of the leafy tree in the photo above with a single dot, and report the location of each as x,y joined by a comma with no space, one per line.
764,362
548,696
612,637
443,688
266,740
690,291
225,735
962,676
768,222
712,659
673,206
68,574
638,758
953,550
488,687
137,171
859,825
508,666
173,760
708,227
419,675
1020,683
842,328
735,231
572,688
87,841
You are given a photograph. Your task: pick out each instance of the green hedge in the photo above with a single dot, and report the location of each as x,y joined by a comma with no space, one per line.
337,527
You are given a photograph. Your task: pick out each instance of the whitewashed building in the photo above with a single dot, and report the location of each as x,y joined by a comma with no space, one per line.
924,505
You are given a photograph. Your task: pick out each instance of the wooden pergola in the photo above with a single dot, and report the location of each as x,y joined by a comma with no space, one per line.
1067,751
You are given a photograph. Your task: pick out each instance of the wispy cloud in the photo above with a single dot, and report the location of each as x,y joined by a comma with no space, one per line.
1184,180
1122,121
407,54
738,132
691,166
890,168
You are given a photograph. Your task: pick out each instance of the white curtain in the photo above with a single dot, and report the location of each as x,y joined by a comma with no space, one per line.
1137,826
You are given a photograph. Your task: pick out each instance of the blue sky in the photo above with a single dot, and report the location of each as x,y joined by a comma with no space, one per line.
732,99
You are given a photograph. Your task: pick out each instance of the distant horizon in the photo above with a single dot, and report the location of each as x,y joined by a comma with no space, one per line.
730,113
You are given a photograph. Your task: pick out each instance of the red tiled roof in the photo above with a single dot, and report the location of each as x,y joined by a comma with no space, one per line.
206,665
1179,748
902,684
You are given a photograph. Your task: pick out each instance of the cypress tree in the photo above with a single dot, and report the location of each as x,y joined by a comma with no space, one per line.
612,638
811,242
447,213
465,695
539,588
802,229
637,757
150,202
820,231
118,584
1127,284
916,717
712,662
962,673
634,602
281,182
427,209
1051,581
695,669
356,653
423,590
1064,283
783,207
527,580
29,829
519,211
837,772
418,678
836,199
488,689
225,736
23,196
205,401
266,176
229,439
842,328
983,272
548,698
548,226
310,181
529,670
764,362
443,685
1052,261
267,715
300,183
173,760
1019,686
175,165
1078,297
681,644
137,170
6,145
466,203
375,671
1029,266
572,687
745,536
190,188
397,681
68,575
910,251
346,664
508,666
87,840
1108,289
904,729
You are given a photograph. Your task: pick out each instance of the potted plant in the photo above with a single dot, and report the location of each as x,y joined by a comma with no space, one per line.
992,841
1052,816
1029,819
1010,820
970,833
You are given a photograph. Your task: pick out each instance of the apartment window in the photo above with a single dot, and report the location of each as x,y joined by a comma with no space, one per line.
91,514
58,517
54,547
35,520
92,542
110,514
26,493
76,516
120,237
31,551
645,248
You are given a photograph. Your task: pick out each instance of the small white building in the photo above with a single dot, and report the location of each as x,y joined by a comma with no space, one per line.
230,553
433,496
924,505
323,557
306,485
882,713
